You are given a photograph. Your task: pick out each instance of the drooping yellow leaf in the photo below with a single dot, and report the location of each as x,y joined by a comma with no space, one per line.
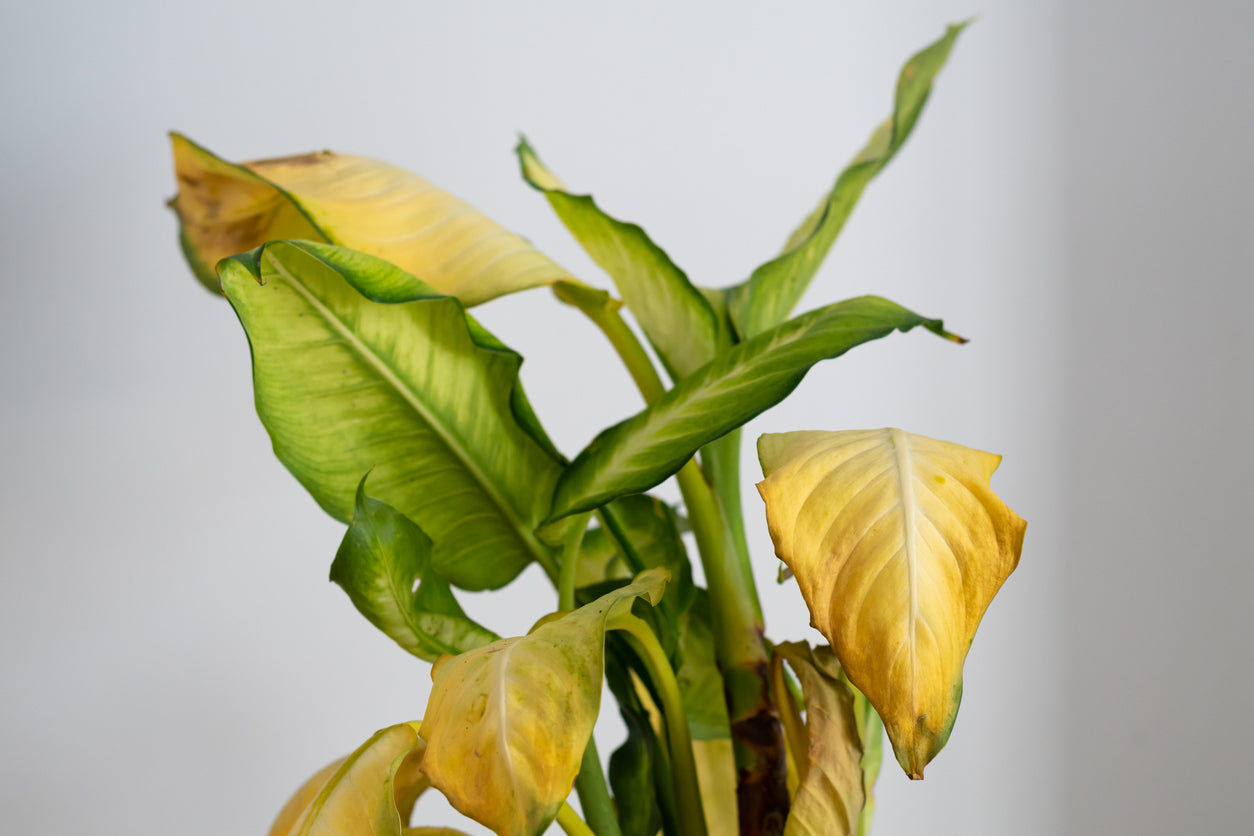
295,806
369,793
432,831
898,545
507,724
830,795
356,202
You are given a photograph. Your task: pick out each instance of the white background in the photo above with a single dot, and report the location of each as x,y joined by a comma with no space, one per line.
1076,200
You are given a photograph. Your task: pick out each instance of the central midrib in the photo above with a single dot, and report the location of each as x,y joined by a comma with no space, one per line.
905,477
388,374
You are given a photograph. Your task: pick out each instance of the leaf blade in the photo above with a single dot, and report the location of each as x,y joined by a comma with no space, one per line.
739,384
892,568
830,797
677,318
367,793
386,211
384,565
506,725
417,391
774,288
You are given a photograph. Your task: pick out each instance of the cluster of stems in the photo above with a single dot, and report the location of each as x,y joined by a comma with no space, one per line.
711,496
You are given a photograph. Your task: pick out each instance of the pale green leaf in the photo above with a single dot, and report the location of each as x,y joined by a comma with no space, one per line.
361,203
676,317
506,725
898,546
770,294
739,384
416,391
384,564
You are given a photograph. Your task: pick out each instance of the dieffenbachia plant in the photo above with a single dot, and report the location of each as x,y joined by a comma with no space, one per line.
405,419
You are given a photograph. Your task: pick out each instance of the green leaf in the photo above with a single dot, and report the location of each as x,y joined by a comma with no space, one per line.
635,802
700,682
416,390
369,793
774,289
506,725
871,733
675,315
382,557
739,384
829,797
225,208
650,528
631,776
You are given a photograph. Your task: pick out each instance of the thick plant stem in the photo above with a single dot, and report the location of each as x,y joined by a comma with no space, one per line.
761,766
757,738
594,794
720,459
691,813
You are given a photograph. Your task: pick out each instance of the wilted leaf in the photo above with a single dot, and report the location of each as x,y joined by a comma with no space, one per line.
416,392
676,317
365,204
871,733
382,557
369,793
507,724
829,798
770,294
898,545
737,385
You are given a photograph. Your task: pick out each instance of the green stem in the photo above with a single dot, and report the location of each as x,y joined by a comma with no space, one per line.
602,309
569,821
614,526
733,597
594,794
570,562
590,784
721,462
762,798
691,813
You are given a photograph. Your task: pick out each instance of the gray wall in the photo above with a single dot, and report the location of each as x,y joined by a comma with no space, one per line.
1160,126
1072,201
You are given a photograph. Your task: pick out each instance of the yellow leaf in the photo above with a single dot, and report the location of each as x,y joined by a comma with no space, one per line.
716,774
225,209
369,793
507,724
898,546
830,795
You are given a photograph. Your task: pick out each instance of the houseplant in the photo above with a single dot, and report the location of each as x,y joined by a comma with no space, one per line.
405,419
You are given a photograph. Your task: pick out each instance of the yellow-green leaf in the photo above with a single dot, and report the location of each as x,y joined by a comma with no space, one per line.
506,725
767,297
830,795
414,391
716,774
369,793
898,546
371,206
677,318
